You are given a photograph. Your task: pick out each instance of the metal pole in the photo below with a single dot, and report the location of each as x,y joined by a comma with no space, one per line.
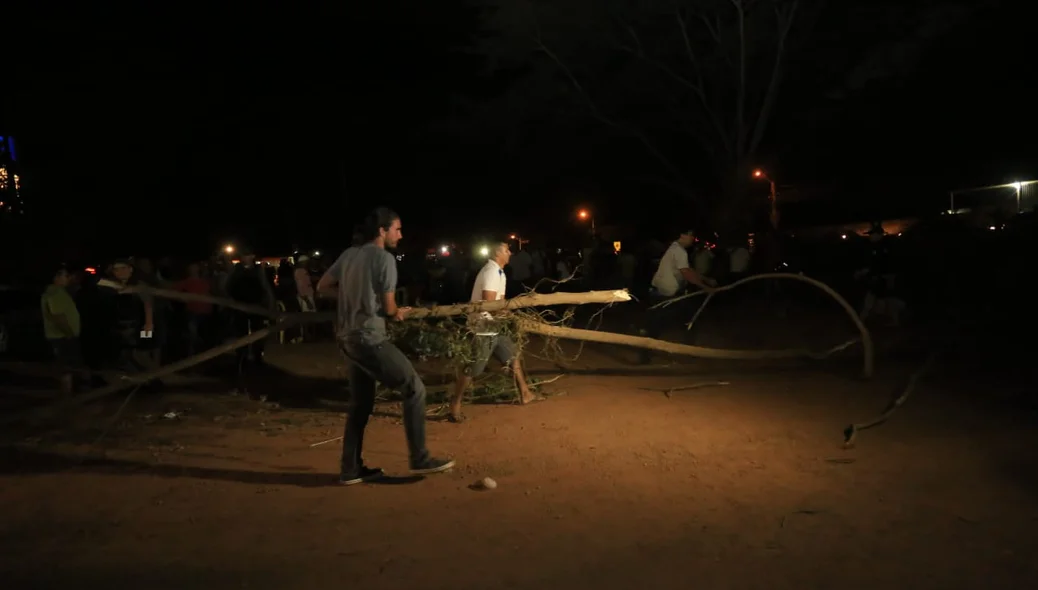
774,210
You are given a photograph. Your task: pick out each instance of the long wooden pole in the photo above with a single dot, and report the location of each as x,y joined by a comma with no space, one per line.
127,381
545,329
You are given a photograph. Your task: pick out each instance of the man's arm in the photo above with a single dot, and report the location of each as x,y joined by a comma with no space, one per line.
330,279
385,281
692,276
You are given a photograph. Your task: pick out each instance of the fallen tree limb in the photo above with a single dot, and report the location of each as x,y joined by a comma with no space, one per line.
865,338
127,381
200,298
519,302
441,311
544,329
669,390
851,432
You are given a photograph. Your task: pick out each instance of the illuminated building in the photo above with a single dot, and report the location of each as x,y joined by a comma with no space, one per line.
10,181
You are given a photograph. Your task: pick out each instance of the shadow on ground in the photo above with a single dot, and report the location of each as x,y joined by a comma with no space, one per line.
22,461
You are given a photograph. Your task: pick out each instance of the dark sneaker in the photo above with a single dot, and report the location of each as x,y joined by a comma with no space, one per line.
362,475
431,465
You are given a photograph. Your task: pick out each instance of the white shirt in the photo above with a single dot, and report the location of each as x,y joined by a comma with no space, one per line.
668,279
490,278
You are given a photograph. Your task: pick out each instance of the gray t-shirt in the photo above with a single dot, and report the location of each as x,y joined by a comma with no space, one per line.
365,273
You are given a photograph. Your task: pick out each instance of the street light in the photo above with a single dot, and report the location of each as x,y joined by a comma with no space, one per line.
759,174
228,249
1017,186
519,240
586,215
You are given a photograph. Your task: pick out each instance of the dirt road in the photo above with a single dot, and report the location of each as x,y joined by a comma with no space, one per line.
608,486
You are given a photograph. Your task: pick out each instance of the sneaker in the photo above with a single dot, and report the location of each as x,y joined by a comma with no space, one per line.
431,465
362,475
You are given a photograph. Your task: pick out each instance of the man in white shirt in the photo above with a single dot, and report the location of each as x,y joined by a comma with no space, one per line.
671,278
489,286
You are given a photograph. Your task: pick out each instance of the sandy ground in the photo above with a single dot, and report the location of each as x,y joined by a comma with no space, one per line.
609,485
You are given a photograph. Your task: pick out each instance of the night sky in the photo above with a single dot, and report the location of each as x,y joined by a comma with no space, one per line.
175,129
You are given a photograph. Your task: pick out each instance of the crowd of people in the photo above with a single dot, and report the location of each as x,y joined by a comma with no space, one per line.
92,323
103,325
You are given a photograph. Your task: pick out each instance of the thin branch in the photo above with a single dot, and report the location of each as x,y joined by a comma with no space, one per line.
740,101
597,113
785,23
700,92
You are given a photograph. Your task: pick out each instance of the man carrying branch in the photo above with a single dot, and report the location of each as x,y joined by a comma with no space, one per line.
490,286
672,277
366,276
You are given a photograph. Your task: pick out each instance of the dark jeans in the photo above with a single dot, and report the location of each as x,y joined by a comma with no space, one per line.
384,363
249,357
659,320
197,332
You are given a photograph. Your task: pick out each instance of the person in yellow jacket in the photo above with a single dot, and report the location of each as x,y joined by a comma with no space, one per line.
61,327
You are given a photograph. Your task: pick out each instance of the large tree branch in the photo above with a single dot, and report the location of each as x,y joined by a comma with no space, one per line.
597,113
699,89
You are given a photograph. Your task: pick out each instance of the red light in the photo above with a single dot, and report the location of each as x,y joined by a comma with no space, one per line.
90,270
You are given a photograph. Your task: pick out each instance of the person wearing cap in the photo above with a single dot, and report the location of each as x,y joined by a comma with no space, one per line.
673,275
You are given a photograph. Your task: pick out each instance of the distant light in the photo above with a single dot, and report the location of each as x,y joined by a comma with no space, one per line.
758,173
583,214
512,236
317,252
90,270
1016,185
843,236
484,251
228,249
992,228
445,251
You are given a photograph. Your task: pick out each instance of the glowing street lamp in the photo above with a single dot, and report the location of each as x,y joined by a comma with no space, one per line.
760,175
585,215
1017,185
229,249
519,240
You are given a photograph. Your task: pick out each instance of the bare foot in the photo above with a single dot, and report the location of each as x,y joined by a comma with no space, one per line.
455,416
528,397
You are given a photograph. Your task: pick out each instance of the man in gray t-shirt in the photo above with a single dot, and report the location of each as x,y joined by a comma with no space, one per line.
366,278
364,274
